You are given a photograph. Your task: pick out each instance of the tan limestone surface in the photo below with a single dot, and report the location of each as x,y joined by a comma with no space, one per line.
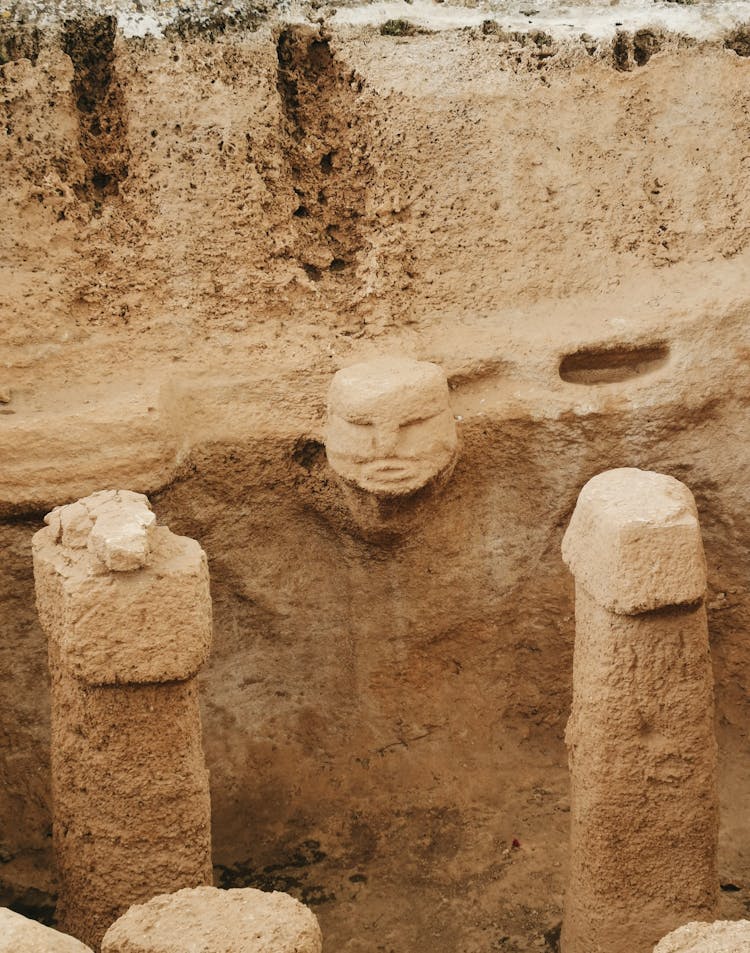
720,937
21,935
207,920
144,625
564,232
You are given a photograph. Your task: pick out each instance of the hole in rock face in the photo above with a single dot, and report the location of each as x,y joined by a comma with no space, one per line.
312,271
35,905
308,452
100,180
609,365
645,45
621,51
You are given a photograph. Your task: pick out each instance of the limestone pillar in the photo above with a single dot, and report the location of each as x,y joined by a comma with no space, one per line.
641,745
216,921
126,608
723,936
19,935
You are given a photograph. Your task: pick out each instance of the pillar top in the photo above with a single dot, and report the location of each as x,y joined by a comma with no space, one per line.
21,935
216,921
634,542
125,601
722,936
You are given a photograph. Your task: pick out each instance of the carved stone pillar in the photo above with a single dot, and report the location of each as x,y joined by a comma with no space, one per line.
642,751
127,611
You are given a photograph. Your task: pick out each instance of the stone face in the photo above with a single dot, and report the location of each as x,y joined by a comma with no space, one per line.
722,936
642,754
634,542
390,428
20,935
216,921
131,808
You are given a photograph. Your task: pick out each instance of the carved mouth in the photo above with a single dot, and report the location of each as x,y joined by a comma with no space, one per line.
391,471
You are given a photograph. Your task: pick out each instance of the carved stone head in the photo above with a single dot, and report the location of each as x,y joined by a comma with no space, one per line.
390,427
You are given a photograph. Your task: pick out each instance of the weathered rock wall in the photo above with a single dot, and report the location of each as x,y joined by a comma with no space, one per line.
198,229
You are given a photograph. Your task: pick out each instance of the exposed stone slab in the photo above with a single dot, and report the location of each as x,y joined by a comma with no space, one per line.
723,936
216,921
20,935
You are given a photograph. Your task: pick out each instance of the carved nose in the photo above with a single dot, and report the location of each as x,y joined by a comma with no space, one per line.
386,439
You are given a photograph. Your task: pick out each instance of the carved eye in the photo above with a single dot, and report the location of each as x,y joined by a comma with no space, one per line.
416,421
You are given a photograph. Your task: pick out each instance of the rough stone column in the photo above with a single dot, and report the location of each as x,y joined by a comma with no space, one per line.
127,611
641,745
19,935
216,921
723,936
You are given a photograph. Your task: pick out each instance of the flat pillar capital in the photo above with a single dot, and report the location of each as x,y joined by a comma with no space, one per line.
634,542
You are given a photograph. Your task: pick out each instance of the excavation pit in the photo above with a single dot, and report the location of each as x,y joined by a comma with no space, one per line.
206,215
